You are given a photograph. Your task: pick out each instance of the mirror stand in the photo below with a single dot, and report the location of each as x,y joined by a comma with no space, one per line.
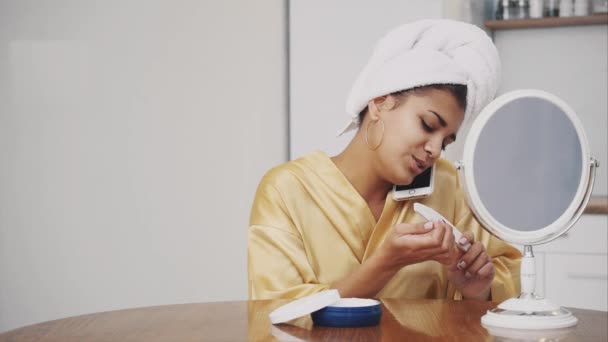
530,311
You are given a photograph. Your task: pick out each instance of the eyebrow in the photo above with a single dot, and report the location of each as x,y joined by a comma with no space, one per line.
443,123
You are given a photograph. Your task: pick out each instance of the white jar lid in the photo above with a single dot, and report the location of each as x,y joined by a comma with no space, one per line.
304,306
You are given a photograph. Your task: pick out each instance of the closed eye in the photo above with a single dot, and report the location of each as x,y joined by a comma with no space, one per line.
426,126
430,129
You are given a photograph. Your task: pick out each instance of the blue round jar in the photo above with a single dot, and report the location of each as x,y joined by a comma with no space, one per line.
346,314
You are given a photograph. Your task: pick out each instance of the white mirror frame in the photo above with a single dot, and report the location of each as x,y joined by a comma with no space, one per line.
578,203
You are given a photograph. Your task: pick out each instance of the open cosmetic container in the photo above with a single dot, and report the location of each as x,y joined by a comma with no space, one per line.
328,309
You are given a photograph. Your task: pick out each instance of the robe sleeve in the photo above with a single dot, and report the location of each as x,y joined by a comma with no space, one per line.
506,258
278,265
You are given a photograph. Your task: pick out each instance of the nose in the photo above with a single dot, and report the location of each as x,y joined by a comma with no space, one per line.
433,148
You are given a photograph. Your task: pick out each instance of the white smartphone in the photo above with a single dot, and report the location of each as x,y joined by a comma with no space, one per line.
421,186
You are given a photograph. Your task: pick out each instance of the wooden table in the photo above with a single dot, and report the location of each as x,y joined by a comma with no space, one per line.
402,320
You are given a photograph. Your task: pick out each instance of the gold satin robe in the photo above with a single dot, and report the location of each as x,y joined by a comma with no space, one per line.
309,228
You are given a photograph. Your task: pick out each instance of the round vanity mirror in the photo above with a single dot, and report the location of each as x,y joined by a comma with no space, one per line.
528,176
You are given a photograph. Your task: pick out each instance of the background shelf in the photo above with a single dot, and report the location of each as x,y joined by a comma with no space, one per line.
596,19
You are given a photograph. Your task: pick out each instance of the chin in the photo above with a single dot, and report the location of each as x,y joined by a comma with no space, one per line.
404,179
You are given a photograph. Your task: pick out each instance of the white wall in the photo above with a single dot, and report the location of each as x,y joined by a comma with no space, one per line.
132,137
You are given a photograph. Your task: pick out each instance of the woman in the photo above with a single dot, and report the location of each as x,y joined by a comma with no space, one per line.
319,222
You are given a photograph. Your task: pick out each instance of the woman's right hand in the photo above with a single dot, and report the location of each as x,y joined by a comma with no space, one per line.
406,244
409,243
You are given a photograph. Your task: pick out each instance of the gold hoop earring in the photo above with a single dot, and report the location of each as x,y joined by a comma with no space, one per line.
367,135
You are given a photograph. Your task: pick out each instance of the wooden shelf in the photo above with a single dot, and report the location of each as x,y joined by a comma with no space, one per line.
596,19
597,205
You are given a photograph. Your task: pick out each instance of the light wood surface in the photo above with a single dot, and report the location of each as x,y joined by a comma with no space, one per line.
402,320
597,205
596,19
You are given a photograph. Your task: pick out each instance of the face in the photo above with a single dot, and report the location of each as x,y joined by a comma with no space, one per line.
418,126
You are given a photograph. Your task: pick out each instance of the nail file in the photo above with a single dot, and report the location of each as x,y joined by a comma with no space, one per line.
432,215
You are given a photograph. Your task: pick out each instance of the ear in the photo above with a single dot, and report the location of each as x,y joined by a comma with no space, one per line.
380,104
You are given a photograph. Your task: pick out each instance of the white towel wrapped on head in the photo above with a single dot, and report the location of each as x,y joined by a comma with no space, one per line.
425,52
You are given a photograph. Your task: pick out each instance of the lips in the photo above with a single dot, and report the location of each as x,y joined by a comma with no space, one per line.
418,165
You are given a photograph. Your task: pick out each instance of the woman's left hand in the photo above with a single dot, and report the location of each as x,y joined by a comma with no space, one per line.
472,272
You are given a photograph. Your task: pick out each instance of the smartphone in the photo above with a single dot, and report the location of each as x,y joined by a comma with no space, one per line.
421,186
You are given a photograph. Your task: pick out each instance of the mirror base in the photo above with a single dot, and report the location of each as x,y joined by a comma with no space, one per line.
529,313
529,334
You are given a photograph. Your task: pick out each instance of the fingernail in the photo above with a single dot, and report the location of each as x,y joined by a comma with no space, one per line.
467,275
428,225
461,265
463,241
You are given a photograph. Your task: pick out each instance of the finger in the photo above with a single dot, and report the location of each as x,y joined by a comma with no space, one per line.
468,238
424,244
447,244
435,250
476,265
444,252
438,255
469,257
487,271
449,259
441,232
444,260
432,240
412,228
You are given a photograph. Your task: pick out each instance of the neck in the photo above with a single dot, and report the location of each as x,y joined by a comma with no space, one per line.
357,164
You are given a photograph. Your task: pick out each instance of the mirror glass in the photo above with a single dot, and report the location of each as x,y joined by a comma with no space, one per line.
527,163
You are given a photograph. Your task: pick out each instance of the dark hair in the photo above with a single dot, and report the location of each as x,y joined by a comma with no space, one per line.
459,91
